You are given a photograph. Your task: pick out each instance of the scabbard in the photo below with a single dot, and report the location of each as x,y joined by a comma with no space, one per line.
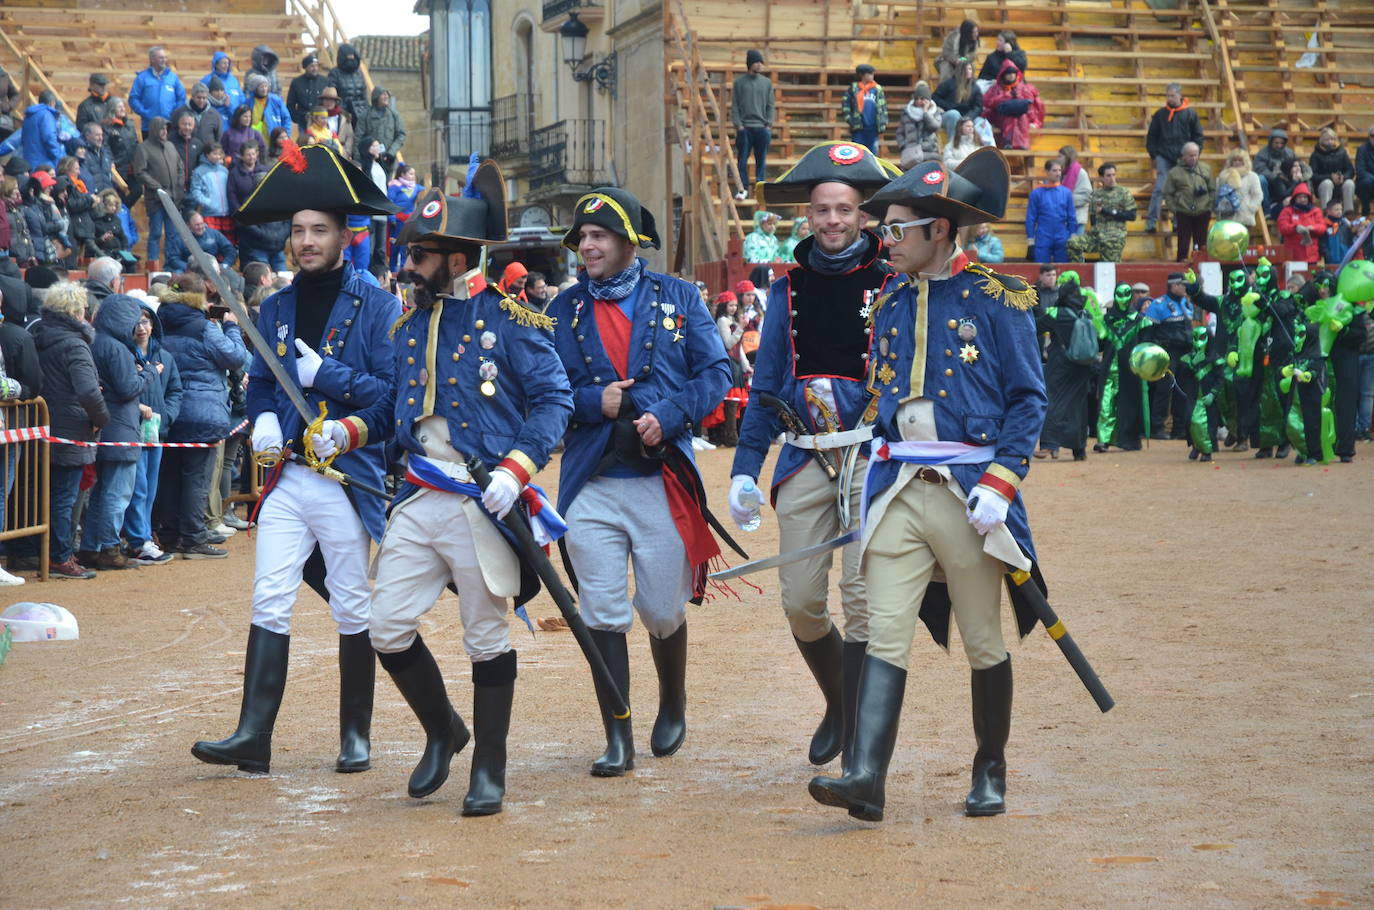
1055,626
792,420
534,557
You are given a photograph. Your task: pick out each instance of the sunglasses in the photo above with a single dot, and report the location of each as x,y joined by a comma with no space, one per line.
418,253
893,233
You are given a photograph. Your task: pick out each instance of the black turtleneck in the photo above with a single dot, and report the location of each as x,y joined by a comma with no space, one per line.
315,296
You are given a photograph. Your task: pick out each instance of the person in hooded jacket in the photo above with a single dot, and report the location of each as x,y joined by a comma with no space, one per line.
123,382
158,167
305,89
348,78
917,137
18,364
1013,107
221,103
76,410
203,351
1067,383
222,68
265,65
41,145
1302,225
382,123
161,398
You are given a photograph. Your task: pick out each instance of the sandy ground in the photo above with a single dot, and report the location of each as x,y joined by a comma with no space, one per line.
1226,606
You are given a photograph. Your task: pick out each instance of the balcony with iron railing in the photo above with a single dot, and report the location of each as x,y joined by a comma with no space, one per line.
568,157
512,123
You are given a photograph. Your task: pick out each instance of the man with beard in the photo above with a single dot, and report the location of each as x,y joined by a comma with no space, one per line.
812,356
476,376
646,362
330,330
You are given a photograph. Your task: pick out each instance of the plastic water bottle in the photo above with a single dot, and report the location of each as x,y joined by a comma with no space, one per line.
750,496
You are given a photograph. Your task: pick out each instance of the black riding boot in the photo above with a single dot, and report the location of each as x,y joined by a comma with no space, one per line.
417,676
670,660
619,756
493,690
264,681
854,652
357,680
991,727
825,658
861,789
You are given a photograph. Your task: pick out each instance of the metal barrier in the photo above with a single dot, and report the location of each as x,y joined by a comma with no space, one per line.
25,472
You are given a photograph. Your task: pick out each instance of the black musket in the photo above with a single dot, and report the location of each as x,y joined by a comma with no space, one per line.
792,420
534,557
1055,626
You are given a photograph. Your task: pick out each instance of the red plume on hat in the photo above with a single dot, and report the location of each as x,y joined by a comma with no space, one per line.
292,156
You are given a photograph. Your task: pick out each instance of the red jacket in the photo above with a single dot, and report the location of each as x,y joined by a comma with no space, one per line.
1014,130
1290,219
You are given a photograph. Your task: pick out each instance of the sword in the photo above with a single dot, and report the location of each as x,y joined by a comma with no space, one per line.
782,559
313,422
792,420
340,477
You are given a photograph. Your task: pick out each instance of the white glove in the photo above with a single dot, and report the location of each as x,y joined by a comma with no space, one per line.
308,364
266,433
500,494
331,439
988,509
745,499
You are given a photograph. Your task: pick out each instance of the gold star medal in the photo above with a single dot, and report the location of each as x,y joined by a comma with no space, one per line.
968,353
885,374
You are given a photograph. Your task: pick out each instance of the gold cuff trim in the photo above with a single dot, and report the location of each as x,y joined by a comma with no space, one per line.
1005,474
523,460
360,430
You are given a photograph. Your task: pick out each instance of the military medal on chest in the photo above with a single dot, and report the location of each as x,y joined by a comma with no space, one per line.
282,332
487,340
487,373
967,330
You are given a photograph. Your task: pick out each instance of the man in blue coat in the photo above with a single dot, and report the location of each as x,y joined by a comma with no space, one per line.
646,362
41,145
1050,216
477,376
157,91
329,330
811,356
958,401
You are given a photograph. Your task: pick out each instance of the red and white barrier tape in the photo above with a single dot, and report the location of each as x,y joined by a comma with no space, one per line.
25,434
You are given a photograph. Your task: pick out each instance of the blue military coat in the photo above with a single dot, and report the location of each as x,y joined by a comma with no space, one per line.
676,359
355,381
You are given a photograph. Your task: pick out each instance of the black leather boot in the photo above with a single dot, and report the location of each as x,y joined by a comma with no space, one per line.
264,681
357,680
417,676
619,756
493,690
854,652
862,788
670,660
991,727
825,658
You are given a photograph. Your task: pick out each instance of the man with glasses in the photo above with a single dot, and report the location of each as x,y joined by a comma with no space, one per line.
812,356
476,375
958,402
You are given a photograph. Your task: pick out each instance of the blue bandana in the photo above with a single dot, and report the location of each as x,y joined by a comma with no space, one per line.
618,286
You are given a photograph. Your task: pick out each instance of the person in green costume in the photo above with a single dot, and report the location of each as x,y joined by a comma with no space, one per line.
1207,366
801,229
1120,417
1234,389
1305,379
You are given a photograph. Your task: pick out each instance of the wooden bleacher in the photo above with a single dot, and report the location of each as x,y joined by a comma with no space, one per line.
1101,67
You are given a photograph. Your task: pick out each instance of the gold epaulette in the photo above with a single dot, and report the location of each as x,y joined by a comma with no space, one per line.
404,318
522,314
872,315
1009,289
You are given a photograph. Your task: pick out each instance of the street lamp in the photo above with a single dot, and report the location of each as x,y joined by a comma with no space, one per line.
573,34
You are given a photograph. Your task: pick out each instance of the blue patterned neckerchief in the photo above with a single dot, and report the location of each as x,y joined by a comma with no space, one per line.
618,286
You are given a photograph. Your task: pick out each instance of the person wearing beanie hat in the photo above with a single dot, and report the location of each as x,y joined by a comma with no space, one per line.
305,89
330,329
918,130
222,68
95,106
646,363
221,103
958,400
1125,400
811,355
267,109
478,378
751,114
864,108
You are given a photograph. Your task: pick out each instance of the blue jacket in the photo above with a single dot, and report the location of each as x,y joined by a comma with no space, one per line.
356,381
987,391
212,242
156,96
40,142
1050,216
204,353
163,394
775,369
274,114
442,371
123,381
681,372
96,168
232,88
1164,308
210,188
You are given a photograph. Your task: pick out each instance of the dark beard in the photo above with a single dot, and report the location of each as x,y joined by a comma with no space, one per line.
427,291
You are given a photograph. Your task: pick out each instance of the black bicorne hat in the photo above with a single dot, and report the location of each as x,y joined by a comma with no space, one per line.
317,178
477,216
976,191
829,162
619,212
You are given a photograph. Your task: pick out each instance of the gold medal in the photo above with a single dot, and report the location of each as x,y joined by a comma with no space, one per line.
488,388
281,349
669,323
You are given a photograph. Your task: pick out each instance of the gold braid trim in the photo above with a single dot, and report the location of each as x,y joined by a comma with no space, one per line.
994,285
525,316
405,317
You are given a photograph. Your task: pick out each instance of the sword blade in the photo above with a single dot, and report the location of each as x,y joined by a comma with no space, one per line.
210,267
782,559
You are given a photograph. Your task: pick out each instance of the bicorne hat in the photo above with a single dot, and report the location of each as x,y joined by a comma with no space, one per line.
619,212
829,162
974,192
314,177
478,215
